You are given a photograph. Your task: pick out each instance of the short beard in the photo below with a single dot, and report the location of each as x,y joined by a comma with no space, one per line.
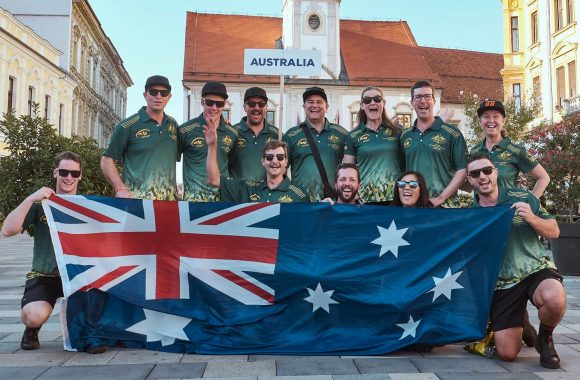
347,200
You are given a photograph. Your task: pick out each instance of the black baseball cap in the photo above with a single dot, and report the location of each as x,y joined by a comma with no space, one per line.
214,88
314,91
157,80
490,104
255,91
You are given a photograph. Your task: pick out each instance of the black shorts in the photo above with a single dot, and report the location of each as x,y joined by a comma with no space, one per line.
508,305
47,289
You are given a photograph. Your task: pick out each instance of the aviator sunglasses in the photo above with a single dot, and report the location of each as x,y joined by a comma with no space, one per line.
218,103
154,92
403,184
65,173
476,172
259,104
368,99
279,157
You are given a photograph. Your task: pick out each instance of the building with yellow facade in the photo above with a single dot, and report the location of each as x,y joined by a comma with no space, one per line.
30,73
541,53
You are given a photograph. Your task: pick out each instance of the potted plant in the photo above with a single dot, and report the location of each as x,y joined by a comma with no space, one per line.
557,147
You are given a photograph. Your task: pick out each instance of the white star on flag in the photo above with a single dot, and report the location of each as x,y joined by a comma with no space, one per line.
444,286
391,239
320,299
161,327
409,328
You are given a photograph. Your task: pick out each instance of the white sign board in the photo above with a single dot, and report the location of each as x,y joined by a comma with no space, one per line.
307,63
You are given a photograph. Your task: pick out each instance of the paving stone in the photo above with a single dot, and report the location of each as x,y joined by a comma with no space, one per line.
125,372
315,366
21,373
385,365
144,356
84,359
467,365
522,365
9,347
253,358
487,376
177,371
33,359
557,376
359,377
313,377
214,358
262,368
413,376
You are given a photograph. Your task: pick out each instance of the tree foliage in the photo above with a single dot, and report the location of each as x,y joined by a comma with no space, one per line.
32,143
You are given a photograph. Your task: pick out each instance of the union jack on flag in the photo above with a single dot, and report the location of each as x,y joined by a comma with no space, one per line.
105,241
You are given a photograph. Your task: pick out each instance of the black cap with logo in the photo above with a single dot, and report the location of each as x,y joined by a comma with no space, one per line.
214,88
314,91
157,80
490,104
255,91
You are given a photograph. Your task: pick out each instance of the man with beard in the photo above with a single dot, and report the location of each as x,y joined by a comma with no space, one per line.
246,156
527,271
275,188
346,184
192,140
330,139
434,149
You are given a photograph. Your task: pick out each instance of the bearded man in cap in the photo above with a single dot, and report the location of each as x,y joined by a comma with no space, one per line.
245,159
145,144
194,145
330,139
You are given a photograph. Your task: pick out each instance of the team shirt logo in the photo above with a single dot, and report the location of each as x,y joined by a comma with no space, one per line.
285,199
254,197
505,156
241,143
438,139
303,142
407,143
198,142
143,134
333,139
363,138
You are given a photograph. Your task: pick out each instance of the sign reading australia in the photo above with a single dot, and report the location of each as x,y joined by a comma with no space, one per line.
282,62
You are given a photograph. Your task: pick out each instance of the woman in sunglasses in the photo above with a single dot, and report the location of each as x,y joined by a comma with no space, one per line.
411,191
374,146
509,158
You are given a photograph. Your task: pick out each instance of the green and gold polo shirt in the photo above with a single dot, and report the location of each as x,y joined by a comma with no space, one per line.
148,152
524,253
245,159
437,154
195,186
510,159
379,158
43,258
303,167
239,190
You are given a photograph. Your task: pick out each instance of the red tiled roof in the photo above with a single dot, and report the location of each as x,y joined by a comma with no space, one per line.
467,71
382,53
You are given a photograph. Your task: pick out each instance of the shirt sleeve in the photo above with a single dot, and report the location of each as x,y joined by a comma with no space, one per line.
31,217
537,207
231,190
118,144
459,151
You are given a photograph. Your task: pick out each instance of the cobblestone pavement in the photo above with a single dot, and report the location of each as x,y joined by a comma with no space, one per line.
446,363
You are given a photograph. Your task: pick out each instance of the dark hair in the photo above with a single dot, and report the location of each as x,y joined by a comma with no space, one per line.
346,165
274,144
481,155
67,155
362,116
423,200
421,84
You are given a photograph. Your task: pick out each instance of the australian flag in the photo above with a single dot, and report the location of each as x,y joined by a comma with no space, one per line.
220,278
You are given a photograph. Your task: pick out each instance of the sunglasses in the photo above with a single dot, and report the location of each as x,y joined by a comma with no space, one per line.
65,173
403,184
279,157
476,172
368,99
154,92
210,103
259,104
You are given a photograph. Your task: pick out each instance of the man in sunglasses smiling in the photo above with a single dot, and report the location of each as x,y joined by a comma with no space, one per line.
146,145
194,146
275,188
527,272
254,132
43,285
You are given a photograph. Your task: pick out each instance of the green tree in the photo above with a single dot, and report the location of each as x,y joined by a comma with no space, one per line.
516,122
32,143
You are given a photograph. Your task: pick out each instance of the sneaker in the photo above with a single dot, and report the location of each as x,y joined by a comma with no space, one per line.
98,349
30,339
529,335
548,355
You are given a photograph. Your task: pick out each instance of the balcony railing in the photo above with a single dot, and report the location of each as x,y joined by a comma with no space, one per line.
571,105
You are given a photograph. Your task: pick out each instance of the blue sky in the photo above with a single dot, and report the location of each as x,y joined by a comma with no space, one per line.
150,35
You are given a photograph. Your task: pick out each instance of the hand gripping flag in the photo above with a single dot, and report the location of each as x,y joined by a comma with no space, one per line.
219,278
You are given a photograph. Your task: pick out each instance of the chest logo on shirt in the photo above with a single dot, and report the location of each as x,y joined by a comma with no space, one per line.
388,132
43,219
363,138
171,129
227,140
198,142
303,142
333,138
254,197
143,134
407,143
504,156
285,199
438,139
241,143
268,139
530,157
